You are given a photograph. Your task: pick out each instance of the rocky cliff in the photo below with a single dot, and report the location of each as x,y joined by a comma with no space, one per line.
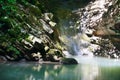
27,32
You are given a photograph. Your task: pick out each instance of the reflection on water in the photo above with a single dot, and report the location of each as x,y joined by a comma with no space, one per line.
89,72
35,71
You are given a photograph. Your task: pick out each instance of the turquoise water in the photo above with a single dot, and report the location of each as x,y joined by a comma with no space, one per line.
36,71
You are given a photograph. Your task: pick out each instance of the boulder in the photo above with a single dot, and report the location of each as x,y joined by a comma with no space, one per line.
68,61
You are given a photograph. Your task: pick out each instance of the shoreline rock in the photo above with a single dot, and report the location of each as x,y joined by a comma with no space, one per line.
68,61
3,59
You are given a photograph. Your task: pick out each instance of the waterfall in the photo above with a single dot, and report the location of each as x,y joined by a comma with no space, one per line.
89,18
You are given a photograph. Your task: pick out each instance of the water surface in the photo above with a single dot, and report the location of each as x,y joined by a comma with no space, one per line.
87,69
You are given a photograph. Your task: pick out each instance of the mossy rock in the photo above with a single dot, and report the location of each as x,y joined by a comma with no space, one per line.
69,61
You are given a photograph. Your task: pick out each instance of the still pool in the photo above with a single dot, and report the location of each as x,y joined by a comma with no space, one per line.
87,69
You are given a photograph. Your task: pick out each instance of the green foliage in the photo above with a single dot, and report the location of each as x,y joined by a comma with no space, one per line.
8,6
10,26
8,1
13,50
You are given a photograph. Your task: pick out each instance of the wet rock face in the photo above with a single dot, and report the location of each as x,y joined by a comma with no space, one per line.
107,49
98,18
37,47
41,37
91,15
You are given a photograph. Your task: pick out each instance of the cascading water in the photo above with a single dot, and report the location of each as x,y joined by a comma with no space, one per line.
89,18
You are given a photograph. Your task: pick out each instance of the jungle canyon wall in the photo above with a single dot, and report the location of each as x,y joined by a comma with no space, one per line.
32,30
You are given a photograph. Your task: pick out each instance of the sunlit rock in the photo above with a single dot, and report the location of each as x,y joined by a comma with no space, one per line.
48,16
46,27
36,56
85,37
52,23
46,48
66,54
34,39
89,32
29,45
